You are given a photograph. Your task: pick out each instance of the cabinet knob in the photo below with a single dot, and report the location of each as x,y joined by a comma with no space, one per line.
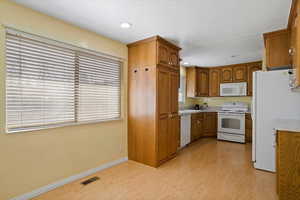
291,51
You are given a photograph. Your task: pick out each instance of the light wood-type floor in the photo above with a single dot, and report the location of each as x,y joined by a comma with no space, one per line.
205,170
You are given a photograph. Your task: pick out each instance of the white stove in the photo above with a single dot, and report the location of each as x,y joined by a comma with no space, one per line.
231,122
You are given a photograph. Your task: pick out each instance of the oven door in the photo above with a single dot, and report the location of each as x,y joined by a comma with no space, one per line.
231,123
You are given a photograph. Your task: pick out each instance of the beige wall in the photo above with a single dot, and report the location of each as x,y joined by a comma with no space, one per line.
34,159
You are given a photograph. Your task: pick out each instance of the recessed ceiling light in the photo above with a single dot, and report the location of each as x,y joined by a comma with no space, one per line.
186,63
125,25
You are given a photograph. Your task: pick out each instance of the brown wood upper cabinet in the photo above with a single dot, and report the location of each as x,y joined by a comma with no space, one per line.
163,54
293,27
174,57
153,83
239,73
252,67
197,82
203,82
168,55
277,46
226,74
214,82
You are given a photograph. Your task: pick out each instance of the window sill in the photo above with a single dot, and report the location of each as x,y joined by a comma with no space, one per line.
60,126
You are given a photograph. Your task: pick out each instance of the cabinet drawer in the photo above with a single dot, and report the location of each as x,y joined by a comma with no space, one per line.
197,116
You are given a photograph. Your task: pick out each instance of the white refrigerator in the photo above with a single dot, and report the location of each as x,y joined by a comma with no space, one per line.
272,100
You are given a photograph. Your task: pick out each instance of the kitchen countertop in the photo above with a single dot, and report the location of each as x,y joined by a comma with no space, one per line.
209,109
287,124
191,111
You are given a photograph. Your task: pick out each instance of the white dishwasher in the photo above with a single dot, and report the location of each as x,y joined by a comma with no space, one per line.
185,130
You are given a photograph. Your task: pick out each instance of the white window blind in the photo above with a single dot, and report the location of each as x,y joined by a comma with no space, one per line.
50,85
99,88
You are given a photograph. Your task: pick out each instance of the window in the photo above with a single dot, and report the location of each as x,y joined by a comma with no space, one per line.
181,96
50,84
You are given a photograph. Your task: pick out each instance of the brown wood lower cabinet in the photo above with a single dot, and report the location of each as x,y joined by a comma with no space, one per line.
203,125
248,127
210,124
196,126
288,165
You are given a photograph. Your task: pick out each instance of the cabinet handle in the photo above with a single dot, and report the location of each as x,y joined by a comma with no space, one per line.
291,51
170,115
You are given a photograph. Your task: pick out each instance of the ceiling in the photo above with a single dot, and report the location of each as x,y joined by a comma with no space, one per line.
210,32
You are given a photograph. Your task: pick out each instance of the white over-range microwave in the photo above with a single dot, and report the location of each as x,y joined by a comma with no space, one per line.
233,89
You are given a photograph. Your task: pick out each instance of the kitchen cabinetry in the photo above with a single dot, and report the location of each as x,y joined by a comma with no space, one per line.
239,73
203,82
196,126
214,82
197,82
252,67
203,125
288,165
210,124
293,27
226,74
248,128
168,55
153,120
277,48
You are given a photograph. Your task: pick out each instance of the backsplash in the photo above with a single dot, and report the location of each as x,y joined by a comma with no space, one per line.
213,101
218,101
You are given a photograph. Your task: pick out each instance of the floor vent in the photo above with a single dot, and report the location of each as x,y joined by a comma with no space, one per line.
90,180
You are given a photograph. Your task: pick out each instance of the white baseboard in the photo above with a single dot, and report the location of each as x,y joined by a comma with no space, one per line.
60,183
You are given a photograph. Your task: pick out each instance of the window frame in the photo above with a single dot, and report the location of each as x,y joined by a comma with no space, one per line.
182,82
76,50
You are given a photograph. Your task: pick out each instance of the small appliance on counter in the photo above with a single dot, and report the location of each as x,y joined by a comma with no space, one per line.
231,122
201,107
197,107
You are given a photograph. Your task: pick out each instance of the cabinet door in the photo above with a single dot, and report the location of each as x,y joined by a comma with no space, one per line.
210,124
203,82
174,58
252,68
288,165
277,48
248,127
174,86
163,54
163,138
173,134
296,57
163,92
191,82
196,129
163,110
214,83
226,75
239,73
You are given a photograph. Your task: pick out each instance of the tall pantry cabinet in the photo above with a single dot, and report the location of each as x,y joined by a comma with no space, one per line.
153,120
